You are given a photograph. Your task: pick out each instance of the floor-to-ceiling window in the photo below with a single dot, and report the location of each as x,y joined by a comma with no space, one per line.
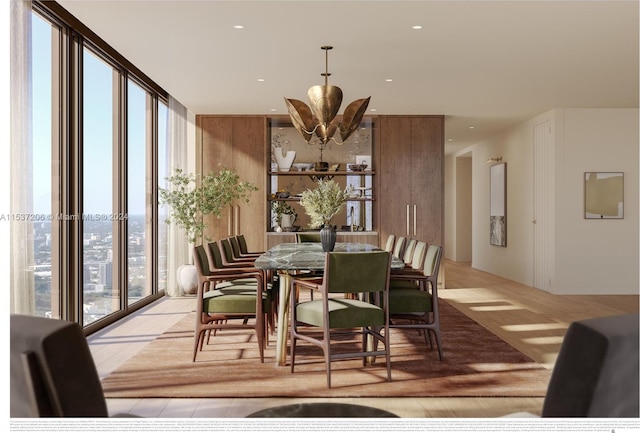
92,148
139,229
44,163
99,215
163,210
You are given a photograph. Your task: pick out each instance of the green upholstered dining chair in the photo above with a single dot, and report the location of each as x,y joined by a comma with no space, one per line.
216,306
308,273
407,255
308,237
354,296
244,249
398,247
237,252
218,267
414,266
228,257
413,298
391,240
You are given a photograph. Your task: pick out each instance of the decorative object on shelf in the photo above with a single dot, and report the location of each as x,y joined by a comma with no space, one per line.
284,160
321,166
363,160
356,167
317,123
322,204
302,166
284,214
190,200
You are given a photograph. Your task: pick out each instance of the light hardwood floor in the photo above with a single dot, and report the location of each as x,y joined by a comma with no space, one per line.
531,320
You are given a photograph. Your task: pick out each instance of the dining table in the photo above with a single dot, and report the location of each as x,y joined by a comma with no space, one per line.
288,259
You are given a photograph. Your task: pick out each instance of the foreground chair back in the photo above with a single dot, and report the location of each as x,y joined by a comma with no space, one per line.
415,305
596,372
52,370
362,280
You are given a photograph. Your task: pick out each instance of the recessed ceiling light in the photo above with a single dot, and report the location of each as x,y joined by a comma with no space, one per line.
472,127
238,26
388,80
416,27
261,79
373,109
273,109
450,139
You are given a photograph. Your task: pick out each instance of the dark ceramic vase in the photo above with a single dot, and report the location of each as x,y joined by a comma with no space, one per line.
327,238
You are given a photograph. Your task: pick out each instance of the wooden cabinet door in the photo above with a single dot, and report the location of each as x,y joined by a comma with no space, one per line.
237,143
250,162
427,174
410,184
394,175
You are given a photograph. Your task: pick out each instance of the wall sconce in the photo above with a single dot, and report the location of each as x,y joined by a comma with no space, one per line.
498,159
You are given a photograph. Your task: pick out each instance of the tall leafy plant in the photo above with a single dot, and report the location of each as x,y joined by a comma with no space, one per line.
190,200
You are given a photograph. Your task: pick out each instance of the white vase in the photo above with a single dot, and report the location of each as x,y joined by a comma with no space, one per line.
187,279
283,159
286,220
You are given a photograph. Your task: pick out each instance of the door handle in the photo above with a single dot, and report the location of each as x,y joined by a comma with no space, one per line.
408,221
415,219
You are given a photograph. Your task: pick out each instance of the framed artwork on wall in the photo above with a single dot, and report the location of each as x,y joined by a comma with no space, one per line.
603,195
498,205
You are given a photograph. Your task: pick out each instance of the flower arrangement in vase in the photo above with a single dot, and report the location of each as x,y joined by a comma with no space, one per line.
322,204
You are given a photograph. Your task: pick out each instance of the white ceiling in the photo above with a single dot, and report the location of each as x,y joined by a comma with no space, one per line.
483,64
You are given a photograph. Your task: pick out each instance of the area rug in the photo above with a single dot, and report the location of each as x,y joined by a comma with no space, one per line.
476,363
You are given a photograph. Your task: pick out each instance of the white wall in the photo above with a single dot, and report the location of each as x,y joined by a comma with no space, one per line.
590,256
595,256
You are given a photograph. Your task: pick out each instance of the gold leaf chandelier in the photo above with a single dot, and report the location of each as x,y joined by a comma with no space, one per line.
318,119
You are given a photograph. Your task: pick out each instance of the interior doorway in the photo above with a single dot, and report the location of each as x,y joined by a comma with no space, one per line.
463,212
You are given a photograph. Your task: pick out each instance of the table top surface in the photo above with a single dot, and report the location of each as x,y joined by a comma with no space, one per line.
309,255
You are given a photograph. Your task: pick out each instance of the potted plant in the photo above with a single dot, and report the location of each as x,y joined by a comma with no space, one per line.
285,216
190,198
322,204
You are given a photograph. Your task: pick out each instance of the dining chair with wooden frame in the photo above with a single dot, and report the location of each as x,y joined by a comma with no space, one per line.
413,298
215,306
364,274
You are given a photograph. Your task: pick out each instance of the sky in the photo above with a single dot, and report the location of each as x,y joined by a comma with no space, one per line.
97,131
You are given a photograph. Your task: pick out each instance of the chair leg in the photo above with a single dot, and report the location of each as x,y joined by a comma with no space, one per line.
438,342
293,341
197,343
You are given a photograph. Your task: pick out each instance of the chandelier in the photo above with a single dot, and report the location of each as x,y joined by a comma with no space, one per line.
317,122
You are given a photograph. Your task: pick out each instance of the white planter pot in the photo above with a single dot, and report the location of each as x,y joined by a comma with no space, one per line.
187,279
